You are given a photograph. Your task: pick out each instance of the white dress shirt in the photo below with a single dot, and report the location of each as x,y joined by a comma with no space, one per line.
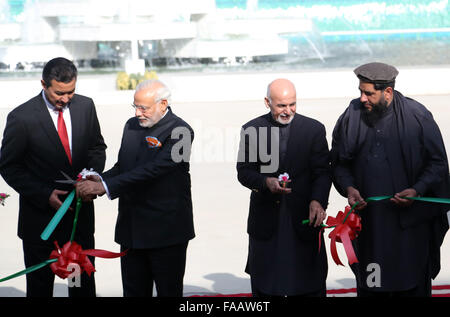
54,115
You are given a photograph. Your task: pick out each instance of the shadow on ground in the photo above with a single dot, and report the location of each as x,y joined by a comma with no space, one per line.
59,290
223,283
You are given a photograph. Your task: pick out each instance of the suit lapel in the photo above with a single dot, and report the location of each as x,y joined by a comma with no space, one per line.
157,133
43,117
76,121
135,148
162,125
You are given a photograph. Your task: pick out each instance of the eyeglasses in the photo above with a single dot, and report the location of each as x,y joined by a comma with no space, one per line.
142,108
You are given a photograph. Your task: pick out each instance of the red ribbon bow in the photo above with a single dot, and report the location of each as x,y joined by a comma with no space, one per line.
345,231
72,253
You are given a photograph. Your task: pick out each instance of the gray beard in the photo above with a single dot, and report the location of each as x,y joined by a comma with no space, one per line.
147,123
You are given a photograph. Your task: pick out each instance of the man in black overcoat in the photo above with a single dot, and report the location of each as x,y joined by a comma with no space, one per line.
386,144
283,257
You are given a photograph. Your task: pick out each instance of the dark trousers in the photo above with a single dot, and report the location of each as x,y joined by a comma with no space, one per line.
163,266
422,289
319,293
40,282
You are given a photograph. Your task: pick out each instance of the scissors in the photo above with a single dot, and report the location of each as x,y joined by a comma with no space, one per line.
68,179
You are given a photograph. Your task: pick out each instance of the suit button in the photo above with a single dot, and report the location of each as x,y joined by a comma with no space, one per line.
277,202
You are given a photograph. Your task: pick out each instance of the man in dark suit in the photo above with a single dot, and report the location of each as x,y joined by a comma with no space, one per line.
152,180
283,257
55,131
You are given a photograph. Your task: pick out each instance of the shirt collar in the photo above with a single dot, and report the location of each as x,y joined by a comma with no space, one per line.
167,110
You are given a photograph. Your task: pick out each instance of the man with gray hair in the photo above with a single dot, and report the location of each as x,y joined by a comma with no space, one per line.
152,180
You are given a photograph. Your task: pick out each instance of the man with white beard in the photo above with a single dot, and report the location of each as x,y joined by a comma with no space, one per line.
152,181
283,258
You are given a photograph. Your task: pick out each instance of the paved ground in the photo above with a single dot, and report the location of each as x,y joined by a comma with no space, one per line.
217,256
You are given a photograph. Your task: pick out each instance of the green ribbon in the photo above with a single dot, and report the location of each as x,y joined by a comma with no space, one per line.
428,199
58,216
29,270
306,221
380,198
49,230
75,220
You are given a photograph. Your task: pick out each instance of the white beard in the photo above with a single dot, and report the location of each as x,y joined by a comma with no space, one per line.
284,122
147,123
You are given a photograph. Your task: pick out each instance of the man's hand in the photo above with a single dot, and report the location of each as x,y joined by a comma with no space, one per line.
316,213
94,178
88,189
274,186
54,200
400,201
354,196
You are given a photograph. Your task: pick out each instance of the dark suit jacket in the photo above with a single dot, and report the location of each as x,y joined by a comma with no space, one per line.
306,162
32,157
155,206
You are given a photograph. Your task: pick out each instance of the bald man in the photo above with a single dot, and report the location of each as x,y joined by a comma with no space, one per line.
284,161
152,181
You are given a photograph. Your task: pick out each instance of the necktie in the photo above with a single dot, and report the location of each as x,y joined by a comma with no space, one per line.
62,131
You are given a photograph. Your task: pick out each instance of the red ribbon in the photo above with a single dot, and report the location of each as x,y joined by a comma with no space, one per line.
72,253
345,230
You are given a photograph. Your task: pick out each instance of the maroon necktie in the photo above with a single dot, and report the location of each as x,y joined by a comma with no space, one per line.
62,131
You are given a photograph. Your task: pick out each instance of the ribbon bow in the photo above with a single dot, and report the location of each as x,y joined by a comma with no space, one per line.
72,253
346,228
